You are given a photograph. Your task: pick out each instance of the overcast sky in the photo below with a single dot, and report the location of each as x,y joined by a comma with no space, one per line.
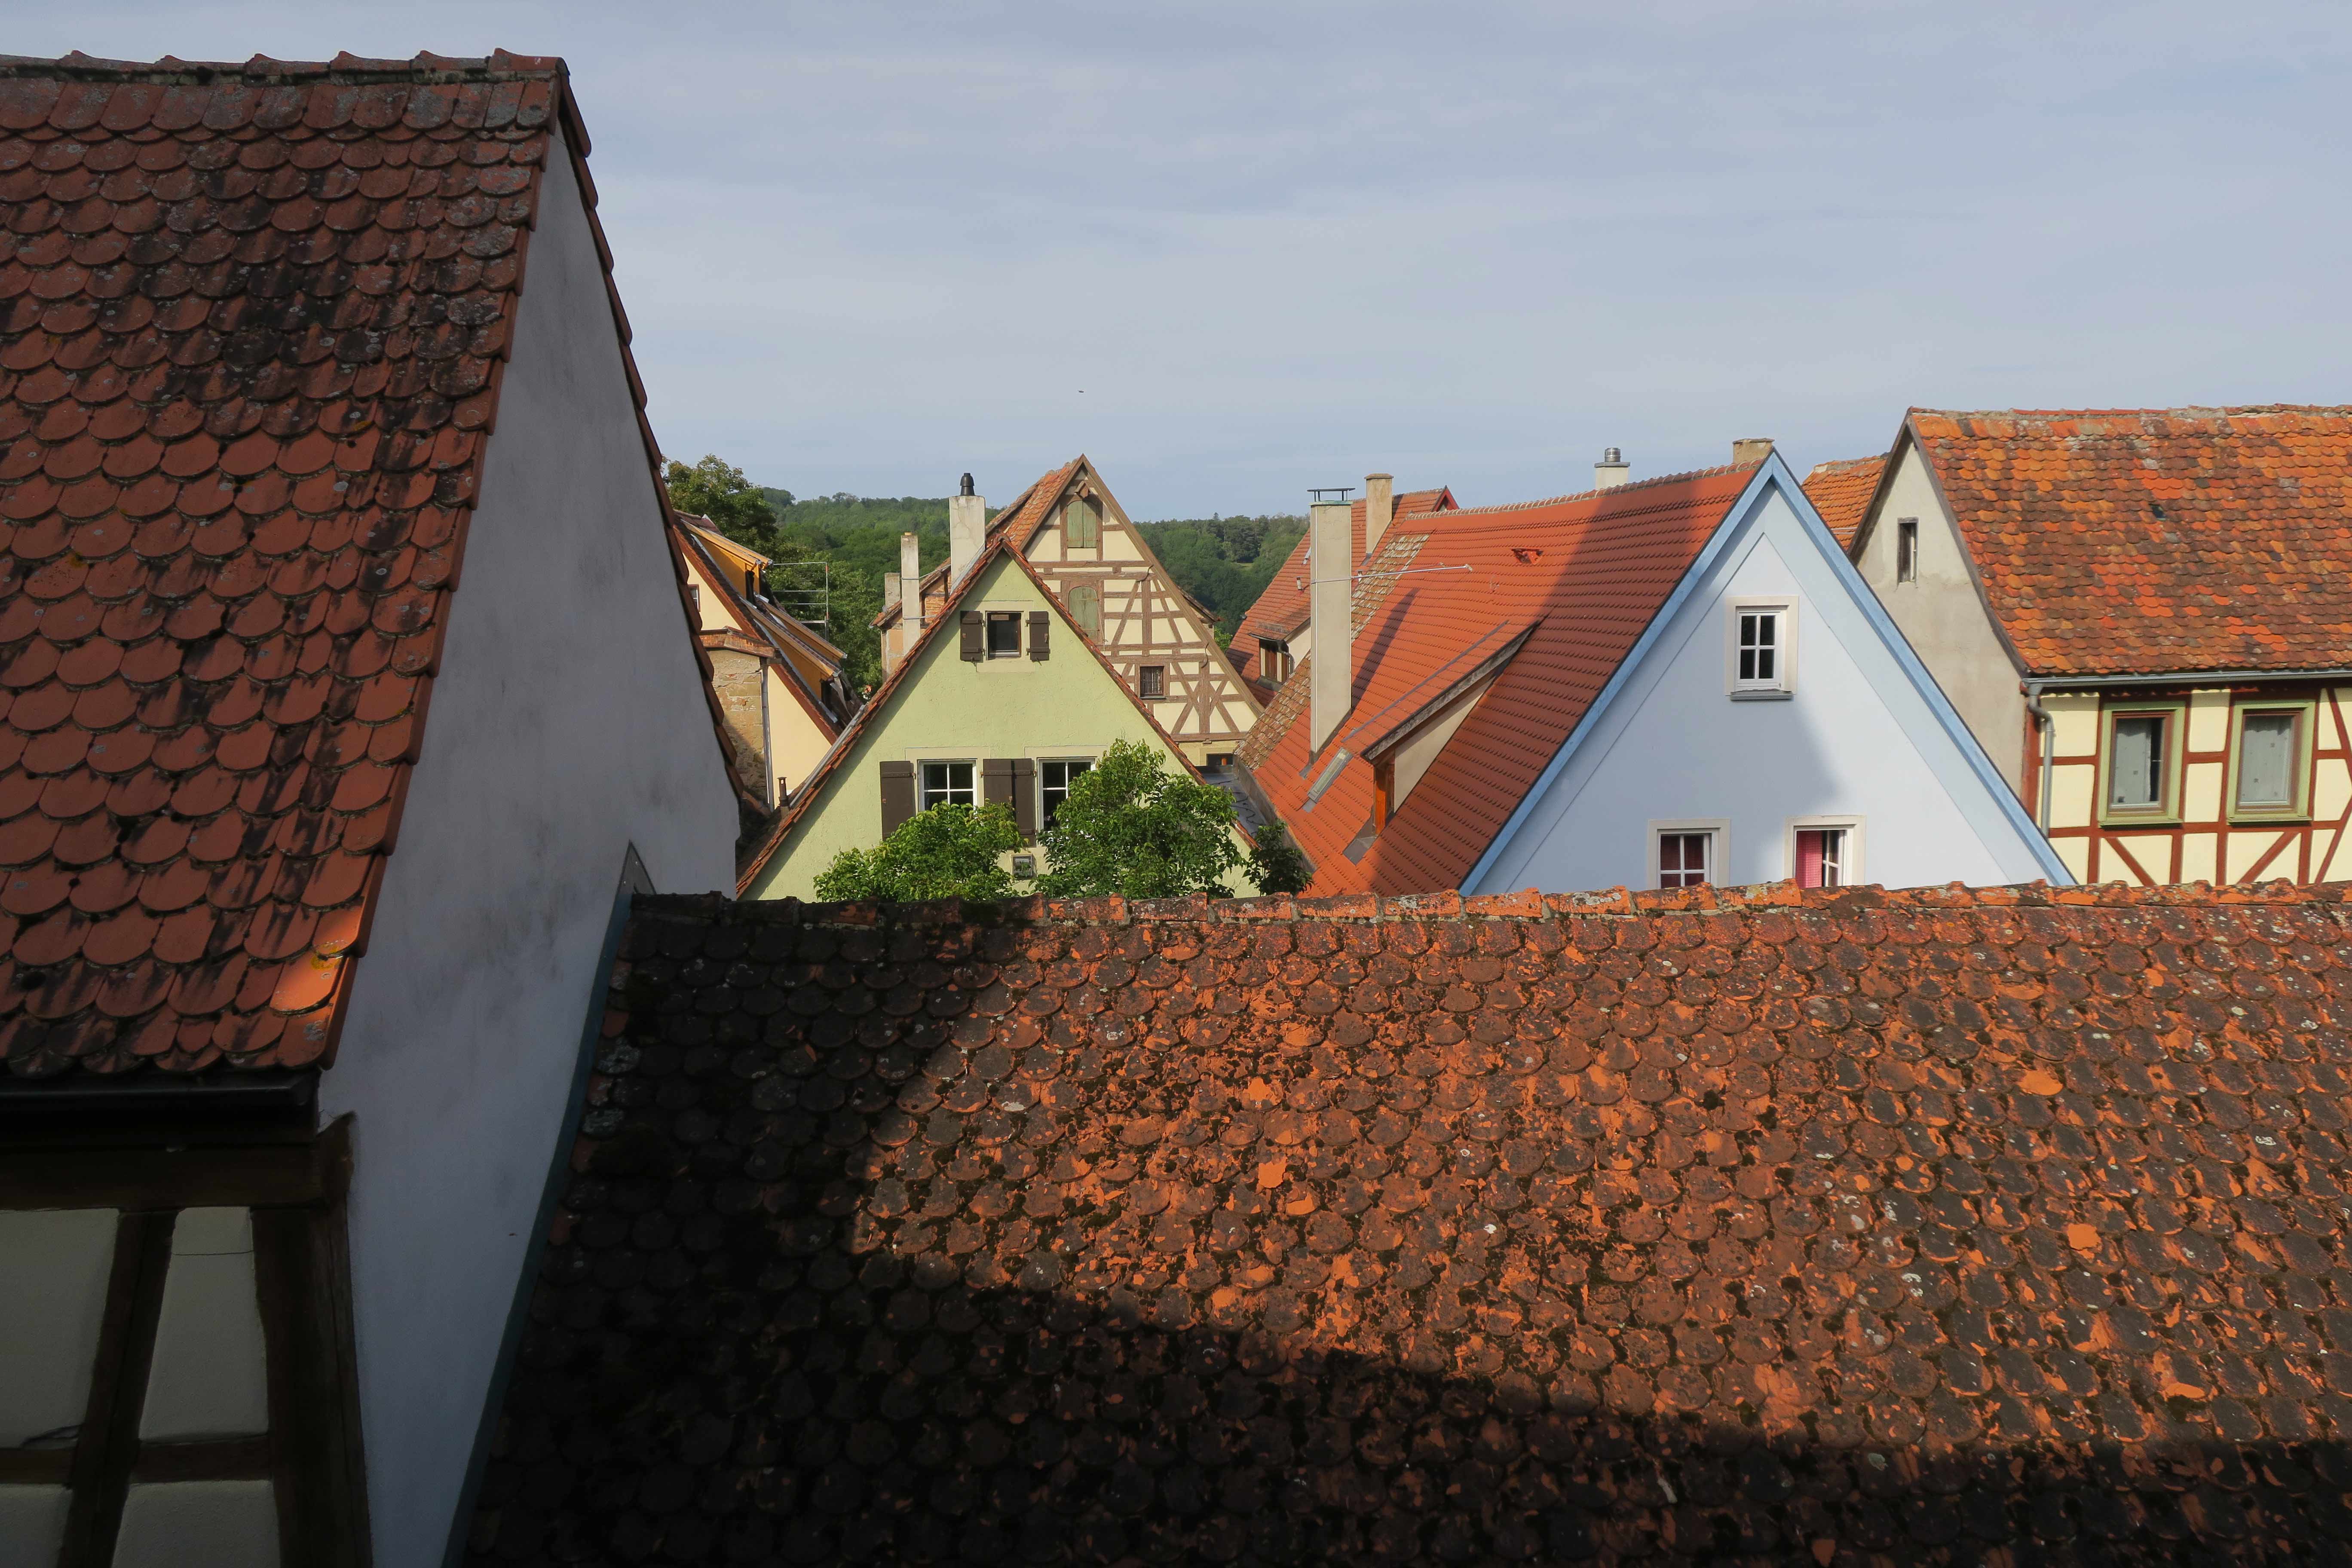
1234,250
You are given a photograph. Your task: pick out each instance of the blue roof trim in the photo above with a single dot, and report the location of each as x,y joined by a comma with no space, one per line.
1775,474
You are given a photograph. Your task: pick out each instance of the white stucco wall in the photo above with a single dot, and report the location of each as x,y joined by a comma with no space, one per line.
1855,738
567,722
1944,617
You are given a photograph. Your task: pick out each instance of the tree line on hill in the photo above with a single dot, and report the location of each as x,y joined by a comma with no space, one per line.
831,551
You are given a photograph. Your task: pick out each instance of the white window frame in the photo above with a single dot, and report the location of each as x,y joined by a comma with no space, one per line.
1783,683
1718,849
922,791
1850,861
1042,761
1906,550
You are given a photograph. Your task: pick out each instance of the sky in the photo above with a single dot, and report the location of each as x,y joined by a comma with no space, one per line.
1233,251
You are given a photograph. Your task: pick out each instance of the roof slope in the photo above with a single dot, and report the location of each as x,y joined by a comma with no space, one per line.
1838,1227
1017,522
1841,492
1587,571
1281,609
2142,541
255,322
771,633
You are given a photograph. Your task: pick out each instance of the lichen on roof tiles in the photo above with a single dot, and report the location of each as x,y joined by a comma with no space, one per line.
1838,1227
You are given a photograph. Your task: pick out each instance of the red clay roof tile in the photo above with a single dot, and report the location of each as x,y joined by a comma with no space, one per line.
2142,541
1841,492
251,323
1281,609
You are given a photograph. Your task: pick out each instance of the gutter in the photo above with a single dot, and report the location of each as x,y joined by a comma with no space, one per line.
2035,687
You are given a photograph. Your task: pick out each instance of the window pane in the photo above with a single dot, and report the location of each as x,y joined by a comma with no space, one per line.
1003,635
2266,759
1821,852
946,782
1682,859
2137,779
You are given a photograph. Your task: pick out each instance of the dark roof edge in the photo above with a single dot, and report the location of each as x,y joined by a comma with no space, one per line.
424,67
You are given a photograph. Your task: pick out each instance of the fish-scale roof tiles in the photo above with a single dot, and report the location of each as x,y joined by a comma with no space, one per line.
2140,541
254,322
1846,1226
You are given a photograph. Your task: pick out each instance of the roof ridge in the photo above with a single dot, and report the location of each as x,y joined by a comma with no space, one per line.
1467,511
423,67
2185,411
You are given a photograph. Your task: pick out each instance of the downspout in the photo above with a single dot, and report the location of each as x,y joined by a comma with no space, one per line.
2049,728
768,790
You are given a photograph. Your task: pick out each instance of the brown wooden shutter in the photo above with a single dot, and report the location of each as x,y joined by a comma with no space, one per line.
1024,798
1041,627
897,795
975,637
996,781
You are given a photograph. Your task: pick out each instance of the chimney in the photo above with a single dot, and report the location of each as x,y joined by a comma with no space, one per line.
967,530
1612,471
1379,509
896,637
1750,450
910,585
1330,577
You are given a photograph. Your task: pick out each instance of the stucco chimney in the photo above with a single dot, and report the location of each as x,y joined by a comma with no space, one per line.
1379,509
1331,571
967,530
1612,471
1750,449
910,583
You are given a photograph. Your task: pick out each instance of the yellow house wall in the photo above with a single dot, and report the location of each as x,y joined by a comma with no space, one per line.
1066,706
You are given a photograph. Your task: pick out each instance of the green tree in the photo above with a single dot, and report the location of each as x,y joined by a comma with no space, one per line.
716,490
1276,864
1135,827
949,851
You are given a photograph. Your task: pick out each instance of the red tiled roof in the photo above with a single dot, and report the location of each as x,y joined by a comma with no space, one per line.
1844,1228
769,634
1841,492
1281,610
255,317
1017,522
1586,572
2138,540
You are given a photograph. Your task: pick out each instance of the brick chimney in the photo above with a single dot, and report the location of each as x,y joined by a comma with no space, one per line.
1612,471
967,531
1750,450
1379,509
1330,579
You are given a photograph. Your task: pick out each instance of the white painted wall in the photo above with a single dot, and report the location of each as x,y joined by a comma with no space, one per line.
1943,616
568,720
1857,737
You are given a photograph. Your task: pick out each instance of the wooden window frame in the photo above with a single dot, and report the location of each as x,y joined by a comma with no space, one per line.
2166,813
310,1455
1147,676
1002,619
1906,550
1784,684
2306,712
1084,597
1718,830
1092,509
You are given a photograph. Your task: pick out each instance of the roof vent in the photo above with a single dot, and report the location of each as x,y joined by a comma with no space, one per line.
1612,471
967,486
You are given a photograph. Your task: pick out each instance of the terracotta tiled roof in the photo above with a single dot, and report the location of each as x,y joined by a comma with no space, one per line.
1587,571
1281,610
1825,1228
1841,492
771,633
2141,540
255,317
1018,522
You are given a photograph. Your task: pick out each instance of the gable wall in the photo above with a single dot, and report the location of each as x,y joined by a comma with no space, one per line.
1146,621
568,723
1855,738
1943,616
796,740
1063,707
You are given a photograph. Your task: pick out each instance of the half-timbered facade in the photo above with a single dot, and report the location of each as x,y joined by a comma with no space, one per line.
2144,615
1084,548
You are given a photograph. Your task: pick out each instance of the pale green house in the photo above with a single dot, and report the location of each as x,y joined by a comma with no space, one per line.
1001,697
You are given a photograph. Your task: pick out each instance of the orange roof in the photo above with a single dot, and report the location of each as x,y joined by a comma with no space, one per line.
1018,522
2150,540
1580,576
1281,610
1841,492
257,317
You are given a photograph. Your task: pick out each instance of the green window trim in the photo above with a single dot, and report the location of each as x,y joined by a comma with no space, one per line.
2298,809
2166,811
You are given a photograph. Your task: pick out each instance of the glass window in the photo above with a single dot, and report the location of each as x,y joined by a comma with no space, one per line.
2136,763
1761,653
1086,609
1004,633
1682,858
1906,550
1821,856
1153,681
1053,781
1082,524
2268,751
945,783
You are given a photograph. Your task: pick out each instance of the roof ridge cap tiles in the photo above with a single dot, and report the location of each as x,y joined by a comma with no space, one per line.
1949,1226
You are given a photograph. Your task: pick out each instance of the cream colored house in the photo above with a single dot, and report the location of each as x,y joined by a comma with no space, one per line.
1079,540
2145,617
779,683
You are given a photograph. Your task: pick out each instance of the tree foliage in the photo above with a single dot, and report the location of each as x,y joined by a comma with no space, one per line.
1276,864
949,851
716,490
1134,827
1224,562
